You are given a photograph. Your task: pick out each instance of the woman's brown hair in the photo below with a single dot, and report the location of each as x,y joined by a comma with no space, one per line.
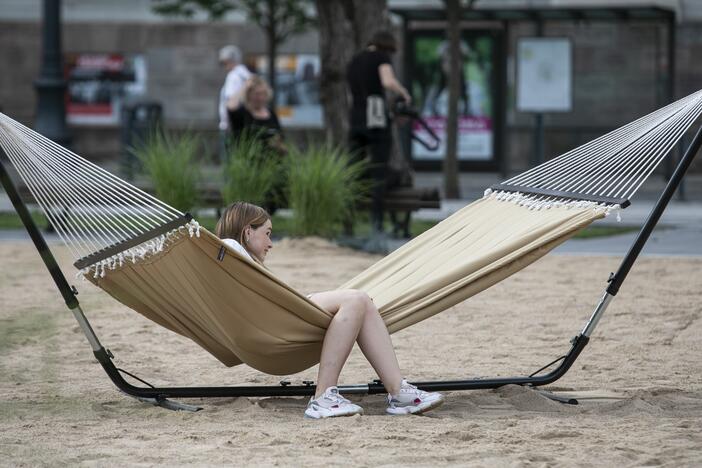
383,40
236,217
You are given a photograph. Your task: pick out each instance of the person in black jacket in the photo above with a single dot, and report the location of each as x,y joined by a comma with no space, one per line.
256,116
369,75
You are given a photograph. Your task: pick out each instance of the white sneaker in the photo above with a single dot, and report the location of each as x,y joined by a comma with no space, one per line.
330,405
411,400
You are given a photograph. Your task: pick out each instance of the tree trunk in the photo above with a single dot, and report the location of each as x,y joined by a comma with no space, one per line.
368,16
453,13
336,45
272,48
345,26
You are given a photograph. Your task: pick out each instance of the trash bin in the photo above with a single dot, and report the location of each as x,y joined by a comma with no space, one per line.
140,120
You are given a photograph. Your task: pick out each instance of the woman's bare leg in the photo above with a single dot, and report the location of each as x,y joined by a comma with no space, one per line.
376,345
355,319
348,312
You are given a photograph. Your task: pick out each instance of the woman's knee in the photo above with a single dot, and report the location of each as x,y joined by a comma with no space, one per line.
358,301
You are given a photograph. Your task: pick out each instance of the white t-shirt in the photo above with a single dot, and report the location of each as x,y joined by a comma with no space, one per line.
234,81
238,248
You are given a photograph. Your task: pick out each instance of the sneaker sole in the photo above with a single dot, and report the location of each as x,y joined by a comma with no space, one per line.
416,409
343,415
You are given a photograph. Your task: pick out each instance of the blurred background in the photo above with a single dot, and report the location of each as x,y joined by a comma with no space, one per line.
537,77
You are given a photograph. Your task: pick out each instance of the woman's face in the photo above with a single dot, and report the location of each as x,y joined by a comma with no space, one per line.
258,241
258,98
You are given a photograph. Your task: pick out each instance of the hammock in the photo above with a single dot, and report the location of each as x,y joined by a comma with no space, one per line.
161,263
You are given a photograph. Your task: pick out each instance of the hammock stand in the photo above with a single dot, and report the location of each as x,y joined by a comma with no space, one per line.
160,395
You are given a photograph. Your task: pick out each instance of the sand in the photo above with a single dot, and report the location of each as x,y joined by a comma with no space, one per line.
639,380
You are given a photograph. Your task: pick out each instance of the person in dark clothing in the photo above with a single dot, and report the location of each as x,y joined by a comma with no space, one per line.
256,116
369,75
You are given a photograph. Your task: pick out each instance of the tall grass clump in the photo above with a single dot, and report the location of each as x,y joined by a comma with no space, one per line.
170,162
324,187
252,172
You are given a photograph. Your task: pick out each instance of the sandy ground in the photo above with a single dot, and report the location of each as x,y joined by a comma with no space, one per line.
639,380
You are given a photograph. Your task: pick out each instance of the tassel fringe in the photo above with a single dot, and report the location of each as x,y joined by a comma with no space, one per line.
140,252
542,202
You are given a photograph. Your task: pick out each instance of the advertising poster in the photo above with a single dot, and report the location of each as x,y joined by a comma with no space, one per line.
99,83
544,74
429,89
297,87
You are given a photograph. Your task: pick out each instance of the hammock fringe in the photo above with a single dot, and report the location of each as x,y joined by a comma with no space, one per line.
541,202
139,252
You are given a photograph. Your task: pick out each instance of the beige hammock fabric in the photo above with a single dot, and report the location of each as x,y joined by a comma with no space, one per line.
240,312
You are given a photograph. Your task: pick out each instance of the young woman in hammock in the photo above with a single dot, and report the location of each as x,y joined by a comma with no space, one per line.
247,229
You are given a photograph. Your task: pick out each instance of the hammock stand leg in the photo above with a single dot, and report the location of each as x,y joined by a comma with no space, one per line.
160,395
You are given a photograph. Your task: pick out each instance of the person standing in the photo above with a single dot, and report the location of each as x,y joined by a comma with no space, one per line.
229,95
369,75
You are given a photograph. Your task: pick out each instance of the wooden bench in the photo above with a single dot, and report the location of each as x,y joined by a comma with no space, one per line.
400,202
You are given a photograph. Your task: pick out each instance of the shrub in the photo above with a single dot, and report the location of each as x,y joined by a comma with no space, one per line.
324,187
252,171
170,161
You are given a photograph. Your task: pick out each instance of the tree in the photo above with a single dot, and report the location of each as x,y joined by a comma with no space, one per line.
279,19
453,33
454,12
345,27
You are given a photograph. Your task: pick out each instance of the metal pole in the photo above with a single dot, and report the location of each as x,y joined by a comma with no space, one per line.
673,184
538,157
66,291
50,86
678,152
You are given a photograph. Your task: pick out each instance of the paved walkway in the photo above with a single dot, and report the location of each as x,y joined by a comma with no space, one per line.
679,231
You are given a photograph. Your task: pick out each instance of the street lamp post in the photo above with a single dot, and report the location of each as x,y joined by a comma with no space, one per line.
50,86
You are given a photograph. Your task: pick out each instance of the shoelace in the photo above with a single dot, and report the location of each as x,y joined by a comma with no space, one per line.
411,388
336,398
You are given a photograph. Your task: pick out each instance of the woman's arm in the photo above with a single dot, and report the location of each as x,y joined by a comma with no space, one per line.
237,121
390,82
237,99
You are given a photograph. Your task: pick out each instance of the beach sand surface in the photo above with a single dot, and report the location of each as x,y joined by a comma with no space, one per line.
639,381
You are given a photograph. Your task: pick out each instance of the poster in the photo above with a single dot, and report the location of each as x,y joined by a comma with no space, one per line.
429,89
544,74
98,84
297,87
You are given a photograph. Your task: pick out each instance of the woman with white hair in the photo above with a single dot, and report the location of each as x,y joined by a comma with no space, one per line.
237,76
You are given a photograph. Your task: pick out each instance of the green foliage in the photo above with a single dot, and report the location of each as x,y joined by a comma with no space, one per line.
215,9
252,172
324,187
169,161
283,17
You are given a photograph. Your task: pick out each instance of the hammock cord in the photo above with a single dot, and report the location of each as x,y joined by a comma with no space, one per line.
90,208
616,164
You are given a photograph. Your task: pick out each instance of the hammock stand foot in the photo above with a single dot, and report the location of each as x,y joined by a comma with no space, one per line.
555,397
169,404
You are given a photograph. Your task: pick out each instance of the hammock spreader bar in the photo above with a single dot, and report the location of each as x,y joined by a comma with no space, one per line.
622,202
160,396
126,244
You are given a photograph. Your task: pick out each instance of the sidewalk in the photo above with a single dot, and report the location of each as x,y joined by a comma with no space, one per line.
679,232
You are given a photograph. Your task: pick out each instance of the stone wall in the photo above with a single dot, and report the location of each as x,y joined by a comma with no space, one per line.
182,69
619,74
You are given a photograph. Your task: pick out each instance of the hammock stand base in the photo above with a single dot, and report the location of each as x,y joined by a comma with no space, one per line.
160,396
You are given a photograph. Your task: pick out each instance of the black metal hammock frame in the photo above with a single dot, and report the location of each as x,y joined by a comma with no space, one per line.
161,395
